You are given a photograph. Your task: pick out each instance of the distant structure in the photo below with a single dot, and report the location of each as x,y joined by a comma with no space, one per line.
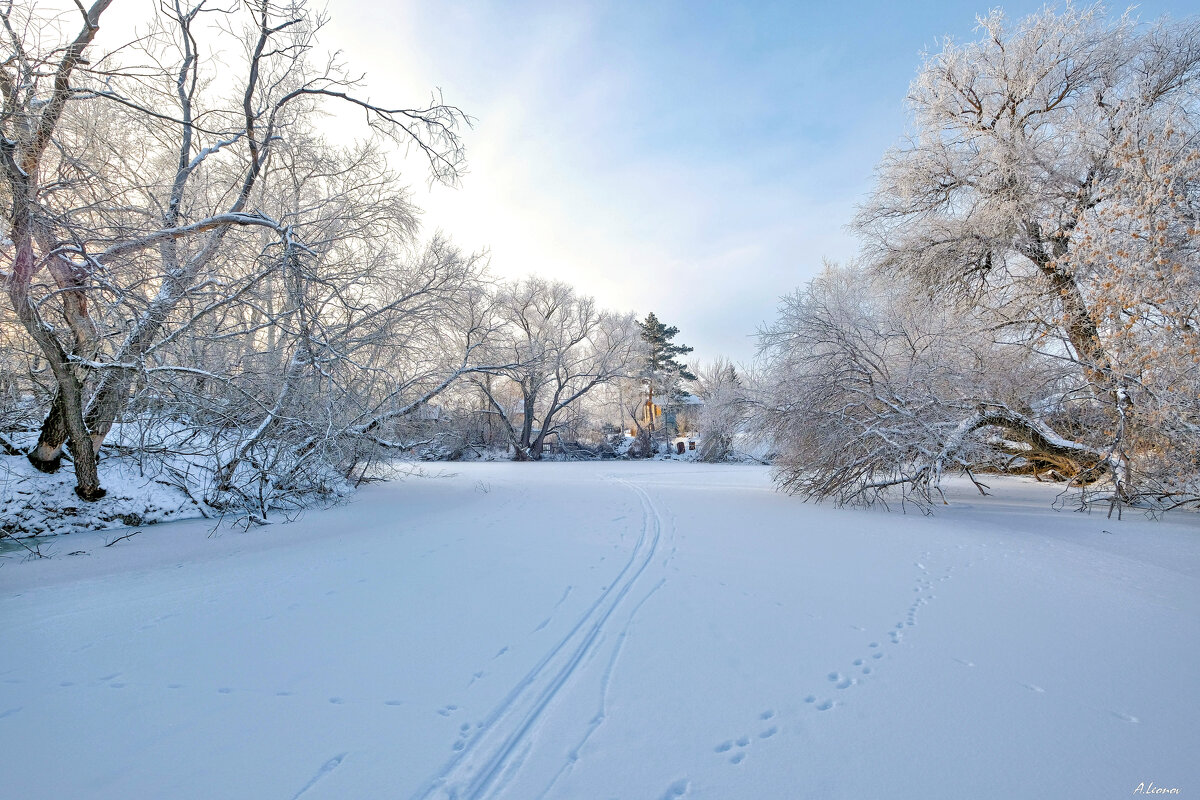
676,417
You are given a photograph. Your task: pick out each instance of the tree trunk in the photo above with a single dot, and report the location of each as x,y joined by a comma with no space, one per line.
538,445
1081,328
47,453
522,450
79,440
69,397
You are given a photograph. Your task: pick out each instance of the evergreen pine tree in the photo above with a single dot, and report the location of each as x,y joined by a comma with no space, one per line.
663,368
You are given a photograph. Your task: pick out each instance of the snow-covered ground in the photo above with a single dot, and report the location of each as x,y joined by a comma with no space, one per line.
33,503
598,630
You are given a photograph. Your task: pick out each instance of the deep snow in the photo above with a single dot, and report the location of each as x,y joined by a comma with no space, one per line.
596,630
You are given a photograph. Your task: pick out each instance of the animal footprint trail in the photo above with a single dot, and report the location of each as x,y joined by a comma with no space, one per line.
923,589
464,731
744,741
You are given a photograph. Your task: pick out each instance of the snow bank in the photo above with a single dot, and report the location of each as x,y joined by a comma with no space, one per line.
35,504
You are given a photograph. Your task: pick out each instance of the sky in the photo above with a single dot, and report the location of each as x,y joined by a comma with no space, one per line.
698,160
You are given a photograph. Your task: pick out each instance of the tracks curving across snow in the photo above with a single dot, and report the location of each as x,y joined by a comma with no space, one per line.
862,669
492,756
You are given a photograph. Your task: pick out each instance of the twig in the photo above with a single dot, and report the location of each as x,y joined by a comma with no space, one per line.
122,538
35,551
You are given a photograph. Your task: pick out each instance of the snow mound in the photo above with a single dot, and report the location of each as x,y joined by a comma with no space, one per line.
36,504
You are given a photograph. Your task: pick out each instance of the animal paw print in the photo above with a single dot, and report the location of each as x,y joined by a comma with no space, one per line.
727,747
841,681
463,731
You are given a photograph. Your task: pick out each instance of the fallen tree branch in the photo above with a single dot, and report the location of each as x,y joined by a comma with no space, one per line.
122,538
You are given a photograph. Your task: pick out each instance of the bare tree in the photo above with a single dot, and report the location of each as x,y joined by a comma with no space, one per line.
558,347
725,410
151,244
1017,147
36,84
876,392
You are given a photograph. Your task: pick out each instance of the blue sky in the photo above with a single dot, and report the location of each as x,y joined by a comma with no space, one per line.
697,160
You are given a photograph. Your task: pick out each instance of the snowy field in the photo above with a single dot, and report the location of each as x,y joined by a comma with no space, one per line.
609,630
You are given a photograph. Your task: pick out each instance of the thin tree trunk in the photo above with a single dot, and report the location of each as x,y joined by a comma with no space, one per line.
522,450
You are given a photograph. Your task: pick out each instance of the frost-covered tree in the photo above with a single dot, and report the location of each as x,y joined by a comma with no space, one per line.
875,392
552,348
137,190
724,412
1141,252
1021,140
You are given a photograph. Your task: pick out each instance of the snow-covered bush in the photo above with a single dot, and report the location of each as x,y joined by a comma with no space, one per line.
722,415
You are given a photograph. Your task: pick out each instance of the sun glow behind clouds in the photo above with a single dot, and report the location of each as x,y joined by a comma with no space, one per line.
607,154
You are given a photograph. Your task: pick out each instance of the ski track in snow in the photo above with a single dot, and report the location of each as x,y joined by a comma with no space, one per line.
326,768
598,720
487,760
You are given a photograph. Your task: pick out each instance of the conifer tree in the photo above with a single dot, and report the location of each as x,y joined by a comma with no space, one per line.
663,368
